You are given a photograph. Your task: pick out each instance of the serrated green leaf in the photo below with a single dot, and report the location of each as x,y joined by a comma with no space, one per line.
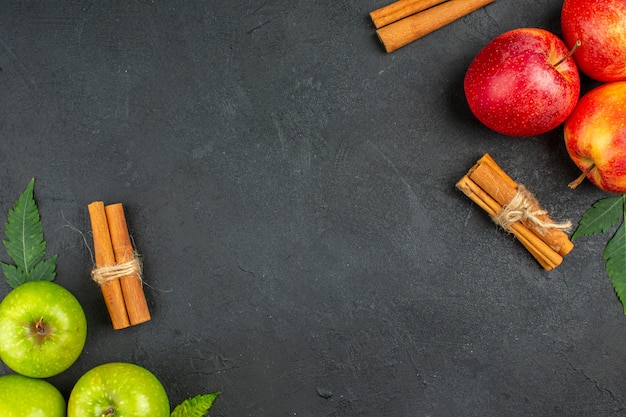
44,270
615,256
197,406
14,277
25,243
602,215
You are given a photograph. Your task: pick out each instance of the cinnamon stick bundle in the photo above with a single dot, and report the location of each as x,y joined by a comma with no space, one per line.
405,21
117,269
516,210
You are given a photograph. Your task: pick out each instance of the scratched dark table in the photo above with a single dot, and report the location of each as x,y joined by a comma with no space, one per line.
290,187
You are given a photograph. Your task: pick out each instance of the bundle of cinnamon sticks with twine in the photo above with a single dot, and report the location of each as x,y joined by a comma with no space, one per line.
405,21
516,210
117,269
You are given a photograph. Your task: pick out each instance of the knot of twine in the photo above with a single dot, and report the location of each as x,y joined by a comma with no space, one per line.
107,273
523,207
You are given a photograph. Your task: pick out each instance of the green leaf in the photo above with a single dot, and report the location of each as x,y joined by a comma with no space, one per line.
197,406
602,215
44,270
615,256
14,276
25,243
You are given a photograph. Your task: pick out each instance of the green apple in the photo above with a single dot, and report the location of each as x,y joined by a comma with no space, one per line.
118,389
42,329
21,396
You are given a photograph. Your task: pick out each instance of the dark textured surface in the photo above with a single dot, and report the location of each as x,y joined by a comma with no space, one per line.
291,189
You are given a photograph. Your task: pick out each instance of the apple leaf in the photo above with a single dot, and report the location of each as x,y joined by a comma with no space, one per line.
602,215
25,243
197,406
615,256
13,275
44,270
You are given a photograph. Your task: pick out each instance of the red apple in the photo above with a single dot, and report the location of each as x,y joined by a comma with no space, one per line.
523,83
600,26
595,137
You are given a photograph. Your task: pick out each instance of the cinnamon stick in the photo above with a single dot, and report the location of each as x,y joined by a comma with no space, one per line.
491,178
399,10
132,289
104,256
411,28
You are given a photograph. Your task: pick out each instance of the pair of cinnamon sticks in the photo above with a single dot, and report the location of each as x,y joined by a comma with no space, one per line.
405,21
487,185
117,269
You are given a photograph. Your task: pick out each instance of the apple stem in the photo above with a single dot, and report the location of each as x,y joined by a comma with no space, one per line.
39,327
581,178
109,411
569,54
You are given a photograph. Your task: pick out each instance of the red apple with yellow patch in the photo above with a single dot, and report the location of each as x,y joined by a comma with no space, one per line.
600,26
523,83
595,137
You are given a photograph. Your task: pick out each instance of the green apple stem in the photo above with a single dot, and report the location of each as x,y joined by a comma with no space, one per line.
581,178
40,328
108,412
569,54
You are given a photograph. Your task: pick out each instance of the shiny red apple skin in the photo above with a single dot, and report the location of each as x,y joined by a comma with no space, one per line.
600,26
595,134
514,88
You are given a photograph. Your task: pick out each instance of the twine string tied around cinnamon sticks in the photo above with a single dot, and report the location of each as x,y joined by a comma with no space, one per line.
524,207
104,274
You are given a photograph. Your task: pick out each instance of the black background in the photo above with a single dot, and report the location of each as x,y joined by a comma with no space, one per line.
290,187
